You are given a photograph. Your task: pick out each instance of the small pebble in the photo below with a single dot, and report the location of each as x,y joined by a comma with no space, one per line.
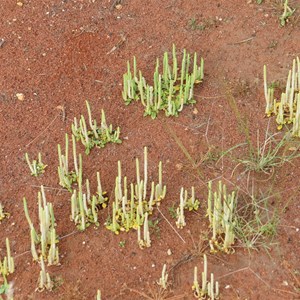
179,166
20,96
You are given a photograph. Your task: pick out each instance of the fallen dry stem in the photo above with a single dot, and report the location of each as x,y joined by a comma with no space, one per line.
183,149
259,278
171,225
155,295
43,130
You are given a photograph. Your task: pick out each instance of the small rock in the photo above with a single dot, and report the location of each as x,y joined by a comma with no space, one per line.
20,96
19,3
119,6
292,149
179,166
169,252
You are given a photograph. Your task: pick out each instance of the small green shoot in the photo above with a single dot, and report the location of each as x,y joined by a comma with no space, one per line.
122,244
287,13
205,24
154,227
185,204
8,290
44,281
195,26
145,241
36,166
7,267
3,214
67,177
98,297
163,280
172,211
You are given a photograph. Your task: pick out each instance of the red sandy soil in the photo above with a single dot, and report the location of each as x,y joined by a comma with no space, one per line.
59,53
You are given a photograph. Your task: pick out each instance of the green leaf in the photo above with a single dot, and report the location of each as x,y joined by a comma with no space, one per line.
3,288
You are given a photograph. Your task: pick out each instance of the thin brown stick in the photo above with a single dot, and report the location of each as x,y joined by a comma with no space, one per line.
118,45
233,272
50,188
171,225
243,41
43,130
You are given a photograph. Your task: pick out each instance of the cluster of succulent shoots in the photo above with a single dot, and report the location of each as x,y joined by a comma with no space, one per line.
44,281
209,289
221,211
185,204
84,206
3,214
287,109
94,136
171,90
46,238
7,265
131,208
67,177
36,166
